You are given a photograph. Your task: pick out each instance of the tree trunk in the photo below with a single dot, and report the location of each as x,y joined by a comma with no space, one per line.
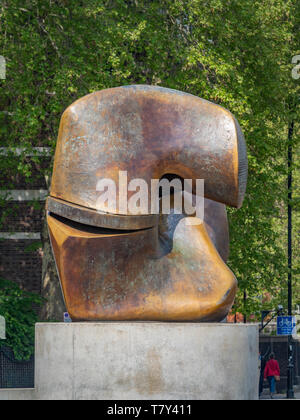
54,306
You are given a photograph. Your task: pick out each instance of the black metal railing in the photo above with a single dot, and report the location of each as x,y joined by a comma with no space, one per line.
15,373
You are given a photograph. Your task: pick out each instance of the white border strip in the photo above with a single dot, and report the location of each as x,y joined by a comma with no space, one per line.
24,195
20,235
18,151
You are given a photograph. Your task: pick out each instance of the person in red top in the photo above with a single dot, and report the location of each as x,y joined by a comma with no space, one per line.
271,373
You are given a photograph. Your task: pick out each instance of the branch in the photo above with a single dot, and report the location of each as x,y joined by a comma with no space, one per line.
50,38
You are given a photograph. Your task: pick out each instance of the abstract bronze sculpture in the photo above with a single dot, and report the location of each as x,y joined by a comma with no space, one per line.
114,265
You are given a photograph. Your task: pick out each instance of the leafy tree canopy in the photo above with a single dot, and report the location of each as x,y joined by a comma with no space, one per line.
236,53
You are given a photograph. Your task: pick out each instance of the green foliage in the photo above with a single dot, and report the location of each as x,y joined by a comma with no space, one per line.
16,306
34,246
236,53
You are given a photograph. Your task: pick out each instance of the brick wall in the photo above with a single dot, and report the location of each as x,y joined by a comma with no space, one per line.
20,253
21,264
10,179
22,217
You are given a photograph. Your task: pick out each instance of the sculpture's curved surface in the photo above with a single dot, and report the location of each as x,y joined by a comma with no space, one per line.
120,266
148,132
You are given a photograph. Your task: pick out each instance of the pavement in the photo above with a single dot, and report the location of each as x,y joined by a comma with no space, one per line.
266,395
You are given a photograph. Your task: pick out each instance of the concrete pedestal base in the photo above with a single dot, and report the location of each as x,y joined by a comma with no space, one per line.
144,360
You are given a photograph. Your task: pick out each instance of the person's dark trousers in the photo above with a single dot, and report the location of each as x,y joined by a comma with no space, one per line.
261,382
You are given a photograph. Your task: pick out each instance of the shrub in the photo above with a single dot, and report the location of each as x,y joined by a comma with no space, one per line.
19,310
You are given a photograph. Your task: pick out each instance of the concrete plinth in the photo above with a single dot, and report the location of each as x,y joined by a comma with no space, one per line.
145,360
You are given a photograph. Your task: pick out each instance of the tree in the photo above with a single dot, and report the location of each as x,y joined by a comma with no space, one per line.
235,53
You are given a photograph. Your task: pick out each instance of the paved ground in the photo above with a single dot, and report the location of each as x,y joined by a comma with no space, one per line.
266,395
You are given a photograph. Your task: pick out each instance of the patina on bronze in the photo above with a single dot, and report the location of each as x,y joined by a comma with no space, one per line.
119,266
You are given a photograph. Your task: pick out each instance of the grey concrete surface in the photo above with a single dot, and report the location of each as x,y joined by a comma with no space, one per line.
144,360
7,394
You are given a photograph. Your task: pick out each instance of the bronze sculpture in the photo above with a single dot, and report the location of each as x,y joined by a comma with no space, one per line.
114,265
